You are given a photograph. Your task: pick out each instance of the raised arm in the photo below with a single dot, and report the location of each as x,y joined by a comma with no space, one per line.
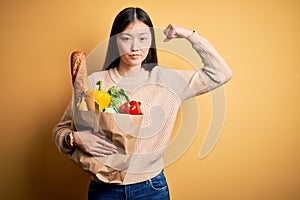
215,71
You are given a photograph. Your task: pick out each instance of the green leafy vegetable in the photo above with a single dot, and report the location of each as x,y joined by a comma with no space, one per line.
110,109
118,97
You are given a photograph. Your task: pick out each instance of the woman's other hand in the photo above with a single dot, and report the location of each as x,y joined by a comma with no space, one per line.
173,31
94,144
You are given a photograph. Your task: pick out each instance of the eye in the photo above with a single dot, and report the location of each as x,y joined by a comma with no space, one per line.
125,38
143,38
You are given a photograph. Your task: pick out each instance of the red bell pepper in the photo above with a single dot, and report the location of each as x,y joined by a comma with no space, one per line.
131,107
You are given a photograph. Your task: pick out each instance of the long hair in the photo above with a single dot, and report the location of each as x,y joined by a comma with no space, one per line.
122,20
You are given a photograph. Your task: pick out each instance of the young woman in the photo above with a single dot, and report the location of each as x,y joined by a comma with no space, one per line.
131,64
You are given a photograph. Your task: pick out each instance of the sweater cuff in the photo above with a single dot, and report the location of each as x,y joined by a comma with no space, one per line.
194,38
61,143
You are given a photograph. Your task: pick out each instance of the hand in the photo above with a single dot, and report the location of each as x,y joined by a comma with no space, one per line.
173,31
93,143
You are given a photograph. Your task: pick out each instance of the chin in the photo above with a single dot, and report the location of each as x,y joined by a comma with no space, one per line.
135,63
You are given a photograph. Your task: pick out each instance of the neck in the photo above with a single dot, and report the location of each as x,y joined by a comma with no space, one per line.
124,70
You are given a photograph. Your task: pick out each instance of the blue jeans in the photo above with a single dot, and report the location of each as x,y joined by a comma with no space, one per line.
152,189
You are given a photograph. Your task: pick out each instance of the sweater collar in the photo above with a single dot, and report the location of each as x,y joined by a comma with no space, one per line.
133,77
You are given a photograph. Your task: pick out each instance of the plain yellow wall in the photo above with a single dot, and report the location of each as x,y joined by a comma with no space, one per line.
258,154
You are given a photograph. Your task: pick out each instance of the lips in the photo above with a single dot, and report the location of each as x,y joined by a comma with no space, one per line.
134,56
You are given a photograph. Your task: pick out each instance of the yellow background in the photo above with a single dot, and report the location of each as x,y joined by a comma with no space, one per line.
258,154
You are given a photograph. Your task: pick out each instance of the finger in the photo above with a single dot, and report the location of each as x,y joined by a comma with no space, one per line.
98,152
102,139
165,31
86,151
168,34
169,37
102,136
103,147
168,30
170,26
166,39
106,144
105,152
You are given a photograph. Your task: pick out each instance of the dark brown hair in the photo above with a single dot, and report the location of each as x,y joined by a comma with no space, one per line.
122,20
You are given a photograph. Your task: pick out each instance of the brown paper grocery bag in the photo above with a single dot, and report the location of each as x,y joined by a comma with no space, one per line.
122,130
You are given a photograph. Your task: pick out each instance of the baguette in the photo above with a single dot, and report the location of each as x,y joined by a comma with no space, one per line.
79,78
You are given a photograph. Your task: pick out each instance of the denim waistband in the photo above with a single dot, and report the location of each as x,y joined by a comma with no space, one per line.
154,188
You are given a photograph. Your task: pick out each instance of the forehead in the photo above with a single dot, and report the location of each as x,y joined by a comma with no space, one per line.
137,27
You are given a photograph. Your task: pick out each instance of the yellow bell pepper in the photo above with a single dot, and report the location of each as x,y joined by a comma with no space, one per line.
97,99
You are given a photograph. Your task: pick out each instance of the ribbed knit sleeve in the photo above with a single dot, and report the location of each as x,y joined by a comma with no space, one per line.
62,128
215,72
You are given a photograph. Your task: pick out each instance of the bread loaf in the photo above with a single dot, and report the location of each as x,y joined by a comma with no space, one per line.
79,78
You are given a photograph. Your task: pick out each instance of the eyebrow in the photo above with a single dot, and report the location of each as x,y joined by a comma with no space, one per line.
142,33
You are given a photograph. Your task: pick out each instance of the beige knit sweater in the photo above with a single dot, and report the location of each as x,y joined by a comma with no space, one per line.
161,92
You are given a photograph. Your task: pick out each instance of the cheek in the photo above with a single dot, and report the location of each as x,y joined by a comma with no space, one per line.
123,48
145,52
145,45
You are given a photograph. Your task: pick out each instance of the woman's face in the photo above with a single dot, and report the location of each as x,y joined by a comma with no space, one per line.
133,44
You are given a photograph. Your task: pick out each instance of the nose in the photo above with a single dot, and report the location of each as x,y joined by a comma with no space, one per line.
134,45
